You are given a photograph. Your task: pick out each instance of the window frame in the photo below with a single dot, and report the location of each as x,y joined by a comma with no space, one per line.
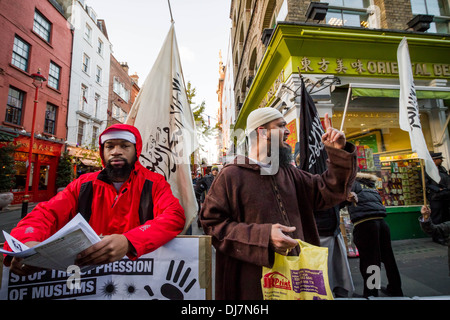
51,78
80,139
100,46
15,53
83,96
47,36
10,106
48,120
438,19
98,75
88,33
85,66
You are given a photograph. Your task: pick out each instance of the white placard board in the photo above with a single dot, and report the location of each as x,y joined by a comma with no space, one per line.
181,269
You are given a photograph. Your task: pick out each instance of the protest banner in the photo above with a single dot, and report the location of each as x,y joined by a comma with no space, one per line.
179,270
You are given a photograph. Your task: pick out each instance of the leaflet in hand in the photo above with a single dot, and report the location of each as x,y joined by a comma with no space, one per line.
60,250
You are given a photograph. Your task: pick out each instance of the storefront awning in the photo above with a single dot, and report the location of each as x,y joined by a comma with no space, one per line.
393,91
89,158
90,163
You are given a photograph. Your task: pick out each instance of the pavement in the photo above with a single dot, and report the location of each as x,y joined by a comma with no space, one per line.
423,264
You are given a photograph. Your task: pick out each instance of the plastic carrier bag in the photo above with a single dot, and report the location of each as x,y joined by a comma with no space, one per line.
303,277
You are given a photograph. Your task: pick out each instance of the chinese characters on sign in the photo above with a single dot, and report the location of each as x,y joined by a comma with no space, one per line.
361,67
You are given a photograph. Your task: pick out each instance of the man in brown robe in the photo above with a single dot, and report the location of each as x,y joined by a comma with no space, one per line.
251,214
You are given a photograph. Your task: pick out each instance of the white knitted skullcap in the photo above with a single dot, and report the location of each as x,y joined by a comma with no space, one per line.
118,134
260,117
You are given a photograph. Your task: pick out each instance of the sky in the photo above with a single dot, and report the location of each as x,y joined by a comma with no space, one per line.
137,29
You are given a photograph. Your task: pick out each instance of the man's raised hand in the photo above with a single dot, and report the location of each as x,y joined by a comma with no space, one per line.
332,137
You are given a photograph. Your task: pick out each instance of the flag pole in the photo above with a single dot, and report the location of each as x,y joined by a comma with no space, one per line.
346,106
170,10
424,187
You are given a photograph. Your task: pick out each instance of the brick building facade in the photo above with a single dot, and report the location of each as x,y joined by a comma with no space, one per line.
122,92
252,21
35,36
349,64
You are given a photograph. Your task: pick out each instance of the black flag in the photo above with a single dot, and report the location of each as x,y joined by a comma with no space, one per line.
313,156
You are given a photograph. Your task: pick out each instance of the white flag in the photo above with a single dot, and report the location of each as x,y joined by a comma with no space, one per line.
409,111
165,120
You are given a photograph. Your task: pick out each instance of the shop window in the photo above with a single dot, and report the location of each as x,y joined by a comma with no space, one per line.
14,106
43,177
21,175
20,166
385,150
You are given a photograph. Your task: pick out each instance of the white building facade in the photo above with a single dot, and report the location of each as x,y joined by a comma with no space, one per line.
228,105
89,84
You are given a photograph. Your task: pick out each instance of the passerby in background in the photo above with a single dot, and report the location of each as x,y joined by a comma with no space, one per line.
201,188
194,178
372,235
251,215
131,207
441,230
202,185
438,195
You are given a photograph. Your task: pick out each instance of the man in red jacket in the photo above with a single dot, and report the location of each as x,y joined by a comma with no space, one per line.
131,207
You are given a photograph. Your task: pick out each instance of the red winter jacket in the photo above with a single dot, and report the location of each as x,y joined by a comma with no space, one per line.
144,209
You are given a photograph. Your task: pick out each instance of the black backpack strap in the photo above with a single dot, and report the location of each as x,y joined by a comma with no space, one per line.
146,203
85,200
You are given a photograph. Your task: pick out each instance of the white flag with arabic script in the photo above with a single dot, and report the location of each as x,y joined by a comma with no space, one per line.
409,111
165,120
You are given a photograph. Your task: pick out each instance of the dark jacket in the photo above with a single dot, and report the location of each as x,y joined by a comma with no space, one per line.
369,200
438,191
202,186
242,205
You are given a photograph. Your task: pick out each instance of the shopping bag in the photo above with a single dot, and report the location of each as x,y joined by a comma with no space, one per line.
303,277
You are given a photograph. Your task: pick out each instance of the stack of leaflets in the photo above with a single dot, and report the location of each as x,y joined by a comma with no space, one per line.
60,250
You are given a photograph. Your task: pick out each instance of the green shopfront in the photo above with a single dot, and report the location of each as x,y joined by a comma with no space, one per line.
352,75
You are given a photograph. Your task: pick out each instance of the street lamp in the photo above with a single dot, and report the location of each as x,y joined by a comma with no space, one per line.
38,80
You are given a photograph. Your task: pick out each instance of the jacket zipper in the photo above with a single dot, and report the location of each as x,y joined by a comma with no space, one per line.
117,196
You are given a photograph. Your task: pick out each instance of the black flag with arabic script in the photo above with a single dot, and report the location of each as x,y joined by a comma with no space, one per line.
313,156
